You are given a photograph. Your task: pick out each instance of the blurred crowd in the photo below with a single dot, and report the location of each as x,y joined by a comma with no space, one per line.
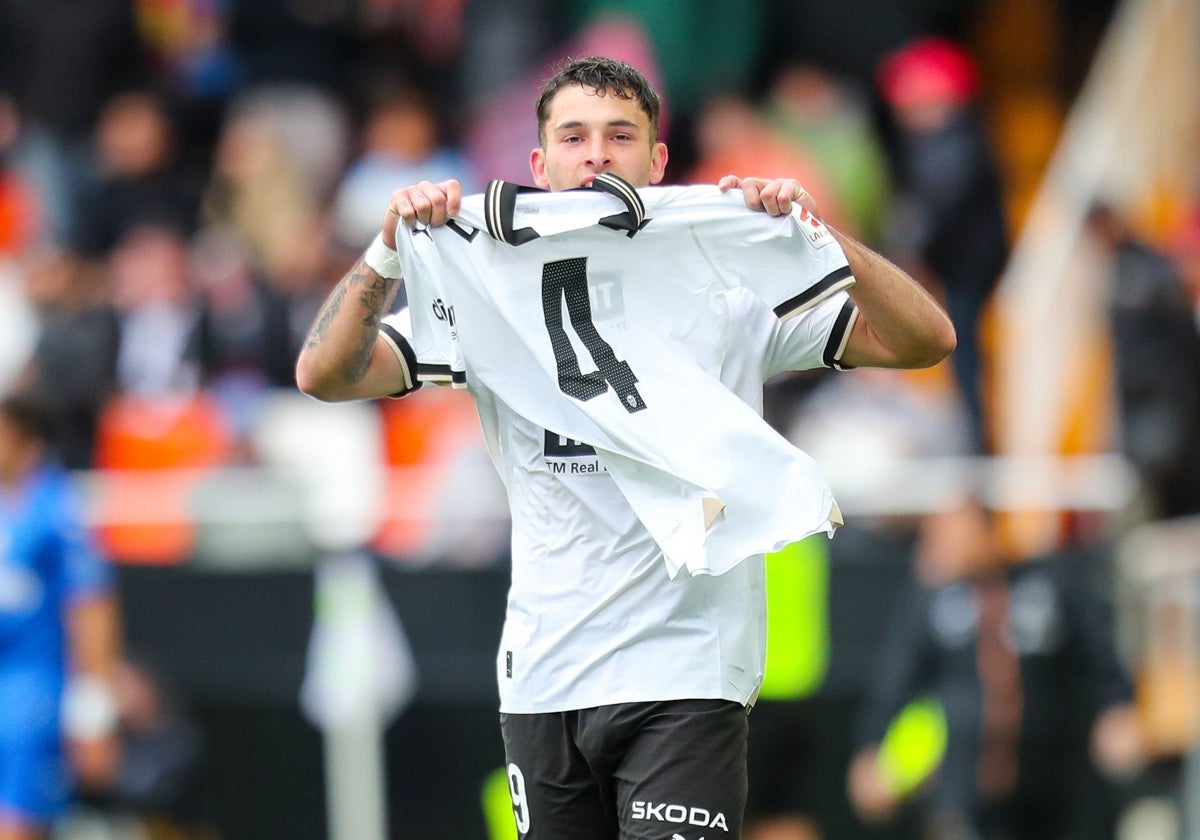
183,181
178,195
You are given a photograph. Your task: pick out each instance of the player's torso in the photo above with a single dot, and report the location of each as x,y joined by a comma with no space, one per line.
593,616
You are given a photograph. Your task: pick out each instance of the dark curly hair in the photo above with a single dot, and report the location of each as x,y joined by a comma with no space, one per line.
604,75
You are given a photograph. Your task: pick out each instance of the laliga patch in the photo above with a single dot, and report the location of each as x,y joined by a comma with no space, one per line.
811,227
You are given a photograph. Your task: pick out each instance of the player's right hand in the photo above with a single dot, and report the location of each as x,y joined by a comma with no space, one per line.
425,203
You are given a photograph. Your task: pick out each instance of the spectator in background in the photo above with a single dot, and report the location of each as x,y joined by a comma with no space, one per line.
732,136
829,120
244,330
1156,349
710,47
1019,655
401,142
282,42
279,159
20,210
158,313
138,175
59,635
948,223
73,369
61,60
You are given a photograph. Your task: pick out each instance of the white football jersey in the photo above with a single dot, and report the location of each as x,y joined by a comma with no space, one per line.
661,311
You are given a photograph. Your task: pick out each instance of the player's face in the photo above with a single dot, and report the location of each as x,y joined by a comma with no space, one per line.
589,133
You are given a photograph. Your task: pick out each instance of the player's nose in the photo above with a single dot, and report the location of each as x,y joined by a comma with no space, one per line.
598,156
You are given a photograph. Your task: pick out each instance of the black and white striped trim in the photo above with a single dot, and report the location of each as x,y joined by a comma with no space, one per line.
499,206
441,375
830,284
839,337
405,355
622,189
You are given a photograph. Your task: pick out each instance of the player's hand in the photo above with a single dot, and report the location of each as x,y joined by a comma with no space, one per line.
96,761
425,203
772,195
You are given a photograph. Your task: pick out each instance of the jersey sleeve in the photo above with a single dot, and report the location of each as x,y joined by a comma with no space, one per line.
396,330
434,338
813,338
792,262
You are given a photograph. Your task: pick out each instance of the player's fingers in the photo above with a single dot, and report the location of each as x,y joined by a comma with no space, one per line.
399,209
424,198
776,200
752,192
452,189
729,182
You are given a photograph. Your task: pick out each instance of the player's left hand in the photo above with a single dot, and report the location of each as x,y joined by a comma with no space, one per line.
774,196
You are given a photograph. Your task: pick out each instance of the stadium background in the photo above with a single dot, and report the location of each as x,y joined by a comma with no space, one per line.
220,493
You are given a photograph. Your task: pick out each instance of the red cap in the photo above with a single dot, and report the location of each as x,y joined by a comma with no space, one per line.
927,70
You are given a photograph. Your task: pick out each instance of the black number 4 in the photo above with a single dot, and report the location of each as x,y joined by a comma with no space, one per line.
569,278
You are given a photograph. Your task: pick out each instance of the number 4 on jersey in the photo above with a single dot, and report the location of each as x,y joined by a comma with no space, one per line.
569,278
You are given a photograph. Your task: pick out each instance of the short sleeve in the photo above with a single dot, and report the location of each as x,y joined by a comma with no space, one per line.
814,338
396,330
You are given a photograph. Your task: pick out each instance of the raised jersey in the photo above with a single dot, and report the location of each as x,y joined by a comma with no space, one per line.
706,300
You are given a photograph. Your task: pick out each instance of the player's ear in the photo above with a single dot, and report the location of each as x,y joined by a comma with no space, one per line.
537,165
658,162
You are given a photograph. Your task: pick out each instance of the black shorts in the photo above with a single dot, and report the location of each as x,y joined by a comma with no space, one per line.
662,770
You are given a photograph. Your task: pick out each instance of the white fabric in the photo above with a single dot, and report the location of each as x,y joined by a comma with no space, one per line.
593,616
712,482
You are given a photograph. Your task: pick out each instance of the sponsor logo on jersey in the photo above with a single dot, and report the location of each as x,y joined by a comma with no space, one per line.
604,295
443,312
561,446
681,814
812,228
565,456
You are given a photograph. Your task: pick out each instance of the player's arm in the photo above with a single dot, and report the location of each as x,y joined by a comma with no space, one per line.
899,324
344,356
90,712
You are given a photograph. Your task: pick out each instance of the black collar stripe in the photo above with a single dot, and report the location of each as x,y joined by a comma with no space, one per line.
622,189
499,206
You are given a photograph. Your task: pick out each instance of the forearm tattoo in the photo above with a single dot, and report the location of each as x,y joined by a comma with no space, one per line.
329,311
375,295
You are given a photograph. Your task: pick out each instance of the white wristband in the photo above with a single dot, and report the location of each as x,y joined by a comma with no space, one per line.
89,708
383,260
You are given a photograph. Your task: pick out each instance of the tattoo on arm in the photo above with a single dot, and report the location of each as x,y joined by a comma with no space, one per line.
375,294
328,312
